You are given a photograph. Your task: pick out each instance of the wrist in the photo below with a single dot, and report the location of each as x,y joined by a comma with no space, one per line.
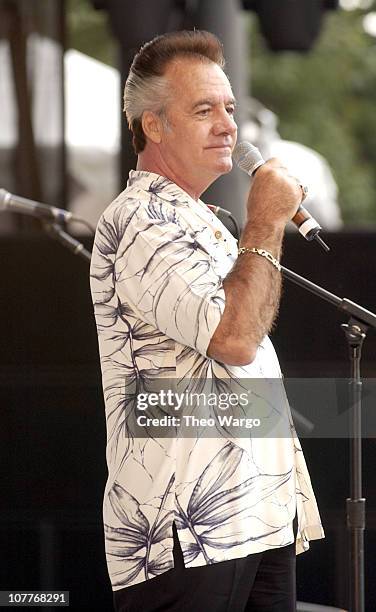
261,253
263,236
260,224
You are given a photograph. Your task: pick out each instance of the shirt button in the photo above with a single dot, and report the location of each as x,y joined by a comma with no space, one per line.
218,234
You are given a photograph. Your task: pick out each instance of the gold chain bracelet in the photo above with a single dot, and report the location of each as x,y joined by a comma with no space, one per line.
262,253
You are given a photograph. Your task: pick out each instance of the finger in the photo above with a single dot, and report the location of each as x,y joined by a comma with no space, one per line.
303,188
275,163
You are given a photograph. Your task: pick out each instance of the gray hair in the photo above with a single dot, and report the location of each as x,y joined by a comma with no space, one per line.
142,94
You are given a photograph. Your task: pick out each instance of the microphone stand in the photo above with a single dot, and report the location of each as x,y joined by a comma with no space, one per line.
56,231
355,332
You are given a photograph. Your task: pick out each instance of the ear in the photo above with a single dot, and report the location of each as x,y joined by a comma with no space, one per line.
152,126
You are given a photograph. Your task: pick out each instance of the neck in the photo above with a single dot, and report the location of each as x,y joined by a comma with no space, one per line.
155,163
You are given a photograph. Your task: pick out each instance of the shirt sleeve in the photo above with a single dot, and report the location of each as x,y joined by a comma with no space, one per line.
165,274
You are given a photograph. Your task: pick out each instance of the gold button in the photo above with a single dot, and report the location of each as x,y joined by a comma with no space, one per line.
218,234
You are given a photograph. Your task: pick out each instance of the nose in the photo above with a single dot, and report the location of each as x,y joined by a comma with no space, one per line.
224,123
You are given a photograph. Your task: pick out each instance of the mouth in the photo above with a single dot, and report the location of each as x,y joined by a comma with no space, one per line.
222,148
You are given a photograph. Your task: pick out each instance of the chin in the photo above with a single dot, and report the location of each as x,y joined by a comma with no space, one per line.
225,166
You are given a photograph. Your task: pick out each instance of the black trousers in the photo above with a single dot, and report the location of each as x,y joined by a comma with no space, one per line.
262,582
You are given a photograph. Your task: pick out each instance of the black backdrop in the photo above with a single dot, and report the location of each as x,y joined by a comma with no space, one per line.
52,454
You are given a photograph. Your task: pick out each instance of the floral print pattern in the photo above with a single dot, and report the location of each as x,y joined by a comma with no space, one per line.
158,264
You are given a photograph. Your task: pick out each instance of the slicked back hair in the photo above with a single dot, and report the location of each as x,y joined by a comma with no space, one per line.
146,87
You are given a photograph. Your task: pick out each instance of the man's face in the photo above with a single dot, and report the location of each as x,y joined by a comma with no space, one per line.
200,134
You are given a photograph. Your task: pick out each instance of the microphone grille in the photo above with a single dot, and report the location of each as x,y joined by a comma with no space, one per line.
247,157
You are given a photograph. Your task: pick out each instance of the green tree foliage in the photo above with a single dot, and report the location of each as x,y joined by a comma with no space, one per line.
88,31
325,99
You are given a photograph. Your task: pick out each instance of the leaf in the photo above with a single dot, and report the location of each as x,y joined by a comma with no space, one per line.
226,504
111,344
162,563
219,470
226,385
217,538
144,331
150,375
186,353
121,542
104,295
107,315
161,184
180,522
158,210
106,239
190,551
122,220
154,349
163,529
199,374
130,569
120,380
125,310
102,272
127,510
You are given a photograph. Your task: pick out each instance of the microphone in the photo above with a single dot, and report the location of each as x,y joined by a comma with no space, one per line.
16,204
219,211
249,159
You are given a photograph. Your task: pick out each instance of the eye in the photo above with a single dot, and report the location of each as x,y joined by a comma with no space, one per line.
203,112
230,109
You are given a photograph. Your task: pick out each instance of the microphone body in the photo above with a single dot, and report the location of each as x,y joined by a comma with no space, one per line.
16,204
249,159
218,210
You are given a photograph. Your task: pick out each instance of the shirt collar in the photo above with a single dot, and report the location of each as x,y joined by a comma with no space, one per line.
163,188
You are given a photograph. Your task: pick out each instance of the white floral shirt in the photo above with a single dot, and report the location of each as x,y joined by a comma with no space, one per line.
158,263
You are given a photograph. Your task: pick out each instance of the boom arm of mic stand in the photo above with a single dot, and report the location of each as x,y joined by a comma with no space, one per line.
347,306
76,247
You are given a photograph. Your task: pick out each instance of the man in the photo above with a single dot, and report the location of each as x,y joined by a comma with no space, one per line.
194,523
